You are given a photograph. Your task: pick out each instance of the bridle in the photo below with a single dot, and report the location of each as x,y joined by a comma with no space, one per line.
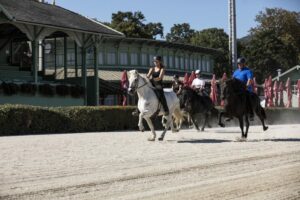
137,83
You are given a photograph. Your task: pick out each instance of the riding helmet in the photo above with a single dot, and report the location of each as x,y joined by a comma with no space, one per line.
157,58
241,60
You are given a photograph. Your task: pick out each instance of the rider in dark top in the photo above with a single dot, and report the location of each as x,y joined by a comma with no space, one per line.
245,75
156,75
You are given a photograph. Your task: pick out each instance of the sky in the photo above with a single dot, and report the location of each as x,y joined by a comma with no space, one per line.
200,14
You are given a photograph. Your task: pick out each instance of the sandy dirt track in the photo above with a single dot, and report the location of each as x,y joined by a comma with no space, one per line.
124,165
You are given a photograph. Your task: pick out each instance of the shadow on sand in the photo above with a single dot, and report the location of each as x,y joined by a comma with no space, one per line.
203,141
276,140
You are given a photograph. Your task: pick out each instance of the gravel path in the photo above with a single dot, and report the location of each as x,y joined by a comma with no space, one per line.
124,165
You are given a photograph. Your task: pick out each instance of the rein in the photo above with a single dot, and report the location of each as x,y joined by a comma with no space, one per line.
146,83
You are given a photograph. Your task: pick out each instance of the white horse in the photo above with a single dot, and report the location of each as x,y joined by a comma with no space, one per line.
148,103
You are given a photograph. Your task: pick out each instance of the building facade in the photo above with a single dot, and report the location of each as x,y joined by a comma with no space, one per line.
86,55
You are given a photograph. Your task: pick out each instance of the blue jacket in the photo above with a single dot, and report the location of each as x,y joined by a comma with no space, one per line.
244,75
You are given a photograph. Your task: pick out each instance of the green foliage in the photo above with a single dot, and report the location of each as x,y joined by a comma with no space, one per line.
217,39
181,33
133,25
20,119
274,43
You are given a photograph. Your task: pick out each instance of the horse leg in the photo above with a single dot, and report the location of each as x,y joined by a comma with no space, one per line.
241,122
167,126
220,119
150,124
195,122
247,125
205,121
208,119
260,112
140,124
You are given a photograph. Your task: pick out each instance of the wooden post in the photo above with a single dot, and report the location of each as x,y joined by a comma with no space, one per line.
96,79
34,61
83,73
76,61
55,57
65,58
43,58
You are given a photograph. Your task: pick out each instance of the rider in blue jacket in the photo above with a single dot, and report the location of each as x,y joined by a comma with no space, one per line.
245,75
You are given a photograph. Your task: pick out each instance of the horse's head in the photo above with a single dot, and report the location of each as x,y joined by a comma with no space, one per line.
133,81
185,99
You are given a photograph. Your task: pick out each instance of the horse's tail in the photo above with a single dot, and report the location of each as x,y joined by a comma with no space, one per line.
178,117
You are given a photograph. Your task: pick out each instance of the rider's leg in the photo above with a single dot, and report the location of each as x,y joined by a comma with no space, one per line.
162,99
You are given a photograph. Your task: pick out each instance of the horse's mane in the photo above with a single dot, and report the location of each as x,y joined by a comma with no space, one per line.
147,80
236,84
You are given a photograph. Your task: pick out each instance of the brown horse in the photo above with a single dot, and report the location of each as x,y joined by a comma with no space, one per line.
194,104
237,102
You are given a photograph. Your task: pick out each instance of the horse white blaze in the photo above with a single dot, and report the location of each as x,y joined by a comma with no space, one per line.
148,102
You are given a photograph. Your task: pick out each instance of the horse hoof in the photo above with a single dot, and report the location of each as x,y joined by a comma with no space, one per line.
222,125
151,139
266,128
202,130
161,139
209,126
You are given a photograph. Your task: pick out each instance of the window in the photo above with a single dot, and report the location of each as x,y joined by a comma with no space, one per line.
208,65
186,65
151,56
171,64
123,58
144,59
100,58
199,63
165,60
111,58
134,59
203,66
195,64
71,58
177,62
181,63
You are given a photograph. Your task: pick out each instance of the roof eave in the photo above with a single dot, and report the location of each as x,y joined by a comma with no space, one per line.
6,13
67,29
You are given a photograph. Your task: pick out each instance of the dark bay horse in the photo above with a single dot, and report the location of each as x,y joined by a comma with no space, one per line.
194,104
237,103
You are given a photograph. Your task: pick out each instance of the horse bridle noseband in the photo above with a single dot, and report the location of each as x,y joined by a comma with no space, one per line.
141,85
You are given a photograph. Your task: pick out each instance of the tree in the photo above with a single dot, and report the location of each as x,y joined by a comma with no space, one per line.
274,43
217,39
133,25
181,33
